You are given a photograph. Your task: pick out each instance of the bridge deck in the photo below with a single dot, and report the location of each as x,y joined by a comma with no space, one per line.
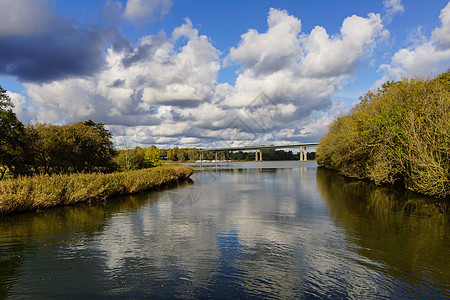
261,147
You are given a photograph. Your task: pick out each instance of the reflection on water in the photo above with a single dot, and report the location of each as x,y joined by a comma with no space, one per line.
407,234
56,241
239,230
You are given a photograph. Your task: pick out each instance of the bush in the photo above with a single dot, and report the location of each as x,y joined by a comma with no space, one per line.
400,134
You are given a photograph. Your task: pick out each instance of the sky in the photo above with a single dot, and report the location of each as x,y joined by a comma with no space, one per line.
197,73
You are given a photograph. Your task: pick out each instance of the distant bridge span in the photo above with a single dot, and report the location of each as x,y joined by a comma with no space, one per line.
258,157
261,147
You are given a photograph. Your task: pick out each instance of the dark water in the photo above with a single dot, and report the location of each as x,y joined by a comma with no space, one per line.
258,229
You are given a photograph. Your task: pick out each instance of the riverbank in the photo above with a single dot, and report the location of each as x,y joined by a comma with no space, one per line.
396,135
44,191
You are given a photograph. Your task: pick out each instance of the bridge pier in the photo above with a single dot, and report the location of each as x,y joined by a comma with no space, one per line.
303,156
258,155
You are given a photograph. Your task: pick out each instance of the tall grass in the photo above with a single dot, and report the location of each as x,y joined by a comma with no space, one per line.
399,134
43,191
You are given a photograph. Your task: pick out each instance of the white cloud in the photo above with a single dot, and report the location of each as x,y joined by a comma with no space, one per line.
426,56
21,108
338,55
266,53
135,82
441,35
146,11
65,100
392,7
297,72
24,17
158,92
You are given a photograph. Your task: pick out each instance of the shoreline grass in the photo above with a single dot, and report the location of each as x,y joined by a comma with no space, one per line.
44,191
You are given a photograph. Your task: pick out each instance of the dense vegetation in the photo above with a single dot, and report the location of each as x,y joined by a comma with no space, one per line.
398,134
49,149
138,158
70,163
43,191
11,133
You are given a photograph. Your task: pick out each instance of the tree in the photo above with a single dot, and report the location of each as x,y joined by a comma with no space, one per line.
398,134
130,159
193,154
152,157
11,136
97,147
70,148
172,154
181,155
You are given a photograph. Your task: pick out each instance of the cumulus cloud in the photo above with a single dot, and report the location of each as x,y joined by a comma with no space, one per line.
441,35
38,46
266,53
392,7
164,91
296,73
337,55
21,106
426,56
137,83
146,11
24,17
66,51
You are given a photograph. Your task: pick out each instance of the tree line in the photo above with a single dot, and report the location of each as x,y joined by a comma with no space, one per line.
47,149
399,134
132,159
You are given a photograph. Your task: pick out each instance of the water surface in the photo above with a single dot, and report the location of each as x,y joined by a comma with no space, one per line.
237,230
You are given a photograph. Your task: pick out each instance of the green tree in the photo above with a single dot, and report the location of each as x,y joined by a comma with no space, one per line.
130,159
126,160
69,148
95,146
172,154
152,157
193,154
398,134
182,155
11,136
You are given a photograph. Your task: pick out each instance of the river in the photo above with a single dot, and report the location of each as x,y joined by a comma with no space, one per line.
236,230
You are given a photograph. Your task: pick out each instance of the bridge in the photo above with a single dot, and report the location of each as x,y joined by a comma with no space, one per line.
258,154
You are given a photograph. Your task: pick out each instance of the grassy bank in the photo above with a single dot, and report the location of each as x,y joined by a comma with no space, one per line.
43,191
399,134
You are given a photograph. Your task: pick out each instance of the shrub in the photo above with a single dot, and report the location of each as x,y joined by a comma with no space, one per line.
400,134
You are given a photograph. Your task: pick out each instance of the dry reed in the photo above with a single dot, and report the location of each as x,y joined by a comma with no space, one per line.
43,191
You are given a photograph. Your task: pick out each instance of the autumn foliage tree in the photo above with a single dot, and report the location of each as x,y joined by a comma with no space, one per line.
152,157
398,134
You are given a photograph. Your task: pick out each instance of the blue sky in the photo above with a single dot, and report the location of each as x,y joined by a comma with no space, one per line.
212,73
